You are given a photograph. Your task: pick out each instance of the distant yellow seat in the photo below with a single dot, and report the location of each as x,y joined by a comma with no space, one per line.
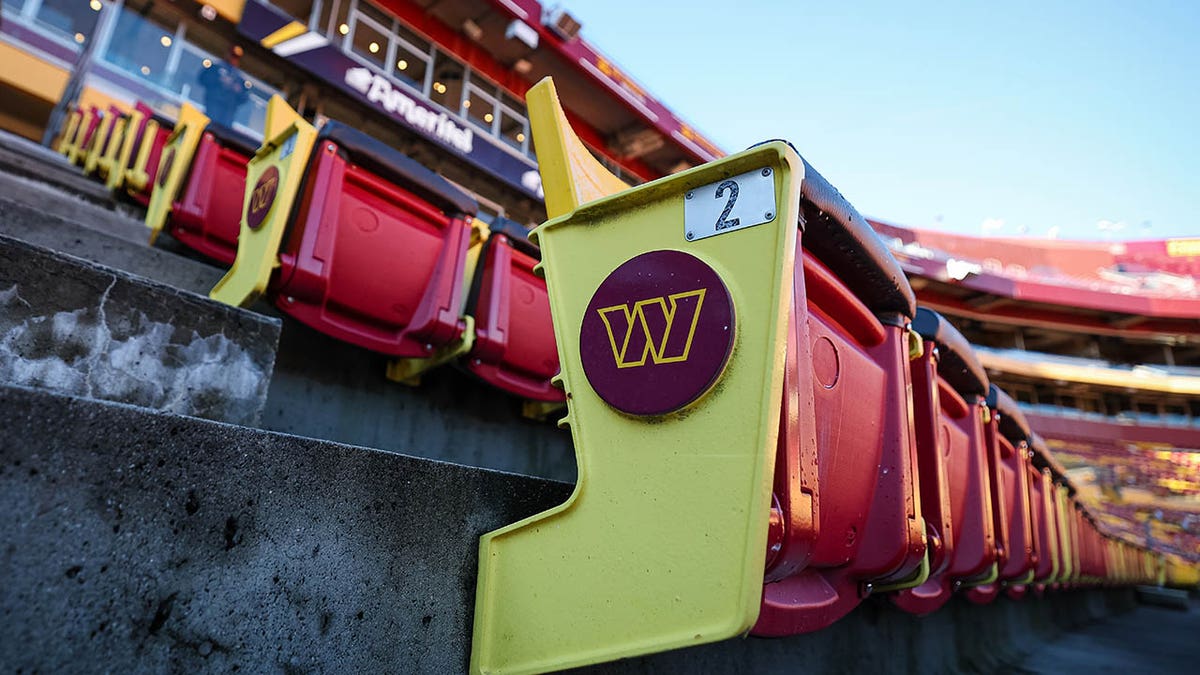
663,542
172,168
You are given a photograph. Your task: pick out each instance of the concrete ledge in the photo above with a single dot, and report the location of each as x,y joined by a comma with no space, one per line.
141,541
64,176
78,328
36,226
112,220
144,541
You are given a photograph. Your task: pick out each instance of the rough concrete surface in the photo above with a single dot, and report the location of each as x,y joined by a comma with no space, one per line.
65,176
19,144
37,227
324,388
118,220
83,329
143,541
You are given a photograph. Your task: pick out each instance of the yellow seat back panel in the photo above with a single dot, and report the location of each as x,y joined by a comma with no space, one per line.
663,542
273,178
177,156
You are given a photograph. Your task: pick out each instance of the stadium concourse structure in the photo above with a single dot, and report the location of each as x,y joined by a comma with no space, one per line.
1099,343
356,201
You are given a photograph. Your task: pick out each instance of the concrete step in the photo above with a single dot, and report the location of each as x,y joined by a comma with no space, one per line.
138,540
321,388
117,220
75,327
104,245
53,172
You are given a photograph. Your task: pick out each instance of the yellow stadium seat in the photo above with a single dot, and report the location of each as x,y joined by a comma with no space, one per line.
68,140
172,168
272,182
663,542
115,168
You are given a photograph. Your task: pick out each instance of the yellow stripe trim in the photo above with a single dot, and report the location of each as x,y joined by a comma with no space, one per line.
293,29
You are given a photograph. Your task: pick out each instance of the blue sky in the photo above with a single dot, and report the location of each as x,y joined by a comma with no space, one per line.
1075,118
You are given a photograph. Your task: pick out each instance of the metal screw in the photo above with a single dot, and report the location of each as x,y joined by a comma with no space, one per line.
766,171
689,235
689,195
428,347
290,299
769,215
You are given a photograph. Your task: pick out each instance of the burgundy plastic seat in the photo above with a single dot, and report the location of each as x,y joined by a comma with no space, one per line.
847,512
949,389
208,214
1011,436
514,337
375,249
1042,497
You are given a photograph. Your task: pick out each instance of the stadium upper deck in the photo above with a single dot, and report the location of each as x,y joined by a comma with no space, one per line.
443,82
1099,343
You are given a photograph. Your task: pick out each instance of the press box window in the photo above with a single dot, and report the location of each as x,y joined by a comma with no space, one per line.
480,107
447,86
411,59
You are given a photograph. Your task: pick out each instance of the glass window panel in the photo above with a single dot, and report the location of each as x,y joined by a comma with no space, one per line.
253,114
513,129
410,67
373,12
335,18
139,47
414,40
13,6
75,19
185,81
447,81
370,43
480,109
513,104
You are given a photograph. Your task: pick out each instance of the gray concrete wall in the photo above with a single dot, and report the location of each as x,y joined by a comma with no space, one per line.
142,541
328,389
78,328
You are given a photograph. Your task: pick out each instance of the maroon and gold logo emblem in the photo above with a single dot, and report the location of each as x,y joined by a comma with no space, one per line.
262,198
657,333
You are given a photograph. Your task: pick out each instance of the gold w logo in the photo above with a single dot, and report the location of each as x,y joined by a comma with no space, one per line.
660,329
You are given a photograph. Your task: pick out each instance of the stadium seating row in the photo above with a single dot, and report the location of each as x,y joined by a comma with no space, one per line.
898,468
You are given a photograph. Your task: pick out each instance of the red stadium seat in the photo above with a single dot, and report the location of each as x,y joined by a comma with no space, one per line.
375,250
1042,494
859,522
949,386
1010,434
207,217
514,346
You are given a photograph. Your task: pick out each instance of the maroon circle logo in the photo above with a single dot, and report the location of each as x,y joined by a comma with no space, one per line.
657,333
262,198
164,167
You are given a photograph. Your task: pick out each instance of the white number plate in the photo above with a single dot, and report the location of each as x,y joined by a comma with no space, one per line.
729,205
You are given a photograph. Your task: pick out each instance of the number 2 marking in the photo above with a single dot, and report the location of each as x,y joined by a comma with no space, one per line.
722,223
